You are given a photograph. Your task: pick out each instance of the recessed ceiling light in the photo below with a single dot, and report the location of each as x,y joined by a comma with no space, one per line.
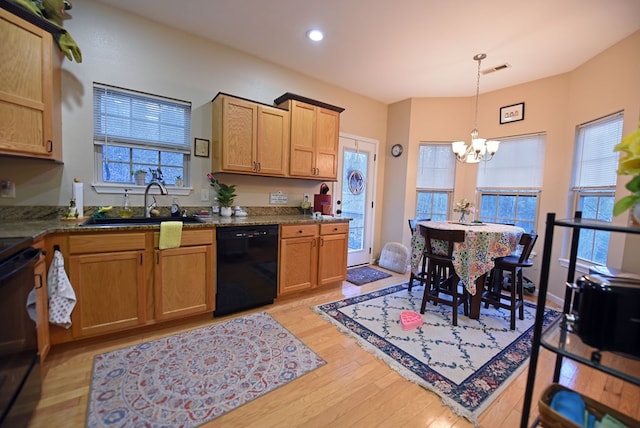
315,35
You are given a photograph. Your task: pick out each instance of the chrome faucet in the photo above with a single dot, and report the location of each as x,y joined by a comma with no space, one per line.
148,207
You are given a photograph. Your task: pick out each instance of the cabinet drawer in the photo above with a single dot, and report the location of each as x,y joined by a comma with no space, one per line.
334,228
106,242
298,230
190,237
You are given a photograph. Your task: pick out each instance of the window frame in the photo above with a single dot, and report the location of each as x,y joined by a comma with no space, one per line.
131,142
577,190
515,192
493,187
435,190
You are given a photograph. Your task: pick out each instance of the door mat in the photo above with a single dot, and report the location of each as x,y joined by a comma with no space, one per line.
193,377
365,274
467,366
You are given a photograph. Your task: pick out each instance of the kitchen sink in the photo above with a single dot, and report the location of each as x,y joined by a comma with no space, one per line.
134,221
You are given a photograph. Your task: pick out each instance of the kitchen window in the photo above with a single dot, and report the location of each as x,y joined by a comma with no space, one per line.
594,179
138,131
510,184
435,179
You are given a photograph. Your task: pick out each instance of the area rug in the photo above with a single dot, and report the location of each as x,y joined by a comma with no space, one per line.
193,377
467,365
365,274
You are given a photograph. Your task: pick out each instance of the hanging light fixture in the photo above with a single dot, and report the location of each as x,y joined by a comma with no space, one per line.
480,148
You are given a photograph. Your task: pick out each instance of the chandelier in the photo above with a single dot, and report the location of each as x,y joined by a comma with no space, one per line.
480,148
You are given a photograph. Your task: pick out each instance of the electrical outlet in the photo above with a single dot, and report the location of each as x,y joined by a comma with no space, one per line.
204,194
7,189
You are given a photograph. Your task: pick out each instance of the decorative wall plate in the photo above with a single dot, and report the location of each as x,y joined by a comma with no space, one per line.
356,182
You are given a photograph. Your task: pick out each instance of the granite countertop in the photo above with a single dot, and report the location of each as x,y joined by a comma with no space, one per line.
39,228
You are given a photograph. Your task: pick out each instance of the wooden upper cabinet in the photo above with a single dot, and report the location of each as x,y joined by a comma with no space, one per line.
249,137
327,130
30,121
273,141
315,128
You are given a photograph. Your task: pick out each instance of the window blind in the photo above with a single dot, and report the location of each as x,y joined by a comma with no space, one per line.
135,118
518,164
596,162
436,167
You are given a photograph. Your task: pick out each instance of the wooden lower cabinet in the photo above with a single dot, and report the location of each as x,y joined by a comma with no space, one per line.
183,277
332,253
312,255
42,304
123,281
298,258
110,291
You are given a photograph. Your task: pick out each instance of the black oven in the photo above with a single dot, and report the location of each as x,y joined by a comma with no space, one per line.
20,377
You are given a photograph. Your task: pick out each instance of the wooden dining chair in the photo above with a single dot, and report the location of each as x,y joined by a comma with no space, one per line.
421,275
441,275
511,298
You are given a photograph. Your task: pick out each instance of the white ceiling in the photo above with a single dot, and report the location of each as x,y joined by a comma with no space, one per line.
393,50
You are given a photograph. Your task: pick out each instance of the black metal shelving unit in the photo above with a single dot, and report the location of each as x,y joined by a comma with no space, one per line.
557,337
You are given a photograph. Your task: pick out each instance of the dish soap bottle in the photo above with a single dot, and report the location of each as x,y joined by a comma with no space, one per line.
126,211
175,208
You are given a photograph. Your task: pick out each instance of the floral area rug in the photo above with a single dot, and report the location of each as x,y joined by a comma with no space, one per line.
365,274
193,377
467,366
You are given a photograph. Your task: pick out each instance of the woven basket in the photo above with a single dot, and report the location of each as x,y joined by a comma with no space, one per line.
549,418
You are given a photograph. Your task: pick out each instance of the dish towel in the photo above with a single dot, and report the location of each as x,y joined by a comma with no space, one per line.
170,234
62,298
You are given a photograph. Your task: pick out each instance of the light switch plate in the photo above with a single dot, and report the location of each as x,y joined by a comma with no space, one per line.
204,194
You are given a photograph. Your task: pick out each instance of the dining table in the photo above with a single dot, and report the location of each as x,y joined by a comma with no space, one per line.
474,258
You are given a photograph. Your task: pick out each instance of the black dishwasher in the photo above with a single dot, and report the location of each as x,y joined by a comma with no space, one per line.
247,268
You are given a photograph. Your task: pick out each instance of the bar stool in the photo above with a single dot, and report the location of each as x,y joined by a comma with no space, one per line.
441,275
511,299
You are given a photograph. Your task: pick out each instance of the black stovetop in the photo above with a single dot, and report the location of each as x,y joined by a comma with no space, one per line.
13,245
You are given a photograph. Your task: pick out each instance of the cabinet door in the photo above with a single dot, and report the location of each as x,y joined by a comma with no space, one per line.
183,279
298,264
239,135
332,259
327,129
29,90
273,141
302,151
42,308
110,293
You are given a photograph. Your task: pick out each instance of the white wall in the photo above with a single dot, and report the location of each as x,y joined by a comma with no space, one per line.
556,106
132,52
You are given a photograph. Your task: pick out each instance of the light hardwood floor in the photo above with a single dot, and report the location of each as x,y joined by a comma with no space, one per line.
354,388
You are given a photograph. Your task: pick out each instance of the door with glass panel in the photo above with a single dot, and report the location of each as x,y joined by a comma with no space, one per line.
356,189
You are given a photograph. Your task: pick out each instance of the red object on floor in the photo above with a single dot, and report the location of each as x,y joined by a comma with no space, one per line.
410,319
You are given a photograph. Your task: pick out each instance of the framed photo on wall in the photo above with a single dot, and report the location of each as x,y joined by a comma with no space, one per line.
201,147
512,113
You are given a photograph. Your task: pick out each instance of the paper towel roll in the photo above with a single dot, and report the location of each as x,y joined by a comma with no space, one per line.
77,193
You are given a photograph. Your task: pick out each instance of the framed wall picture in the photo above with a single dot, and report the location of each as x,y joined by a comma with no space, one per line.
512,113
201,147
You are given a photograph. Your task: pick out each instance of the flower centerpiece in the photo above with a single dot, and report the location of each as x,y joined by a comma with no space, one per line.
464,208
630,165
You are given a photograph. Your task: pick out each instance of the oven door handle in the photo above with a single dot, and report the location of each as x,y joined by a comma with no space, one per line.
18,262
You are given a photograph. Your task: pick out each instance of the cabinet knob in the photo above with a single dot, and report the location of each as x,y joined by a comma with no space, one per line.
49,146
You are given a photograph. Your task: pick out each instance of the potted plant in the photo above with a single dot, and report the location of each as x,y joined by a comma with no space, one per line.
226,196
179,181
140,176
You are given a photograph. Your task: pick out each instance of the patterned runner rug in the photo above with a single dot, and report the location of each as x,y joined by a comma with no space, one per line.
467,366
365,274
193,377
